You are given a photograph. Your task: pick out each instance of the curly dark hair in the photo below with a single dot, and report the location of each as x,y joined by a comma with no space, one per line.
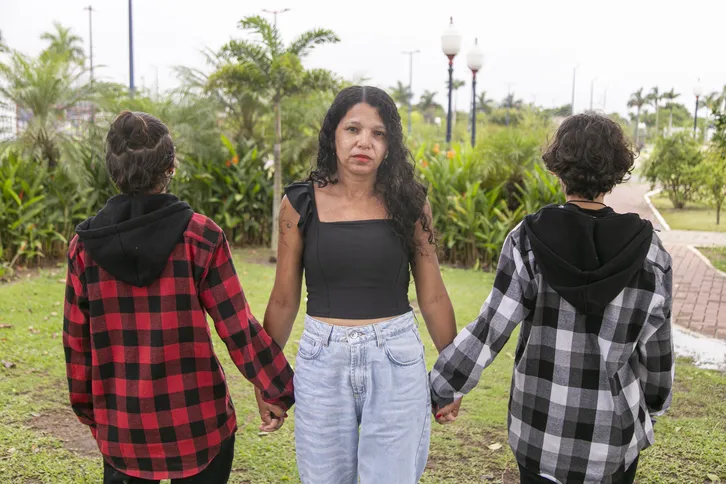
139,153
590,154
403,195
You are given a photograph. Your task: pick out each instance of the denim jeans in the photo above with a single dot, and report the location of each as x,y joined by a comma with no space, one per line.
362,403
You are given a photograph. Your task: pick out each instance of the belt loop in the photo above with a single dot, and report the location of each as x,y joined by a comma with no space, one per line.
329,330
379,336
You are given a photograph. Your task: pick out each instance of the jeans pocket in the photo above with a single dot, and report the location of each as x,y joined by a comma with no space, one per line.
310,347
404,349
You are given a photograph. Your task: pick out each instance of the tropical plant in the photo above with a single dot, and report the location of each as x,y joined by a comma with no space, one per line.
655,98
279,72
673,165
637,101
428,106
483,103
64,44
43,89
400,93
712,175
670,97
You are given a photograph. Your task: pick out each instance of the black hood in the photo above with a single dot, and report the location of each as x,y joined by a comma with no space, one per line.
132,237
588,256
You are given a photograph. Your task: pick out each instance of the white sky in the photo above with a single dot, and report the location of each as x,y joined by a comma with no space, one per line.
532,44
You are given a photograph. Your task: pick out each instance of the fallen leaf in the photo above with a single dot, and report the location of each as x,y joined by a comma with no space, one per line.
263,434
496,446
45,318
678,429
35,449
55,335
33,330
8,364
487,478
6,326
713,477
45,353
35,414
54,314
11,450
62,280
57,303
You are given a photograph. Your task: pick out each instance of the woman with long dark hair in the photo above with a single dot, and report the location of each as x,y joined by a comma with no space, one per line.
357,228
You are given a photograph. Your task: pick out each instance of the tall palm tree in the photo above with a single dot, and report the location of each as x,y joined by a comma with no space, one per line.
279,71
711,101
654,98
400,93
637,100
484,104
428,106
64,43
455,86
670,96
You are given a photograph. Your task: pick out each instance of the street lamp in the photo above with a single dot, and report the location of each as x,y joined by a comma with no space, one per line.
450,44
697,91
475,61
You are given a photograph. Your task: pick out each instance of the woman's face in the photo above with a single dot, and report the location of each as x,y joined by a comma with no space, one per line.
360,140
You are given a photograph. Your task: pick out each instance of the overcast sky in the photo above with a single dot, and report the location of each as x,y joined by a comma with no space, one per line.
532,45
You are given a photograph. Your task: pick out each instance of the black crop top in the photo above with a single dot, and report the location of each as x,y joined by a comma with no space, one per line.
353,270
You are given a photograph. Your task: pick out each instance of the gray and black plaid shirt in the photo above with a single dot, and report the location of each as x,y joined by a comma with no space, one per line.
582,394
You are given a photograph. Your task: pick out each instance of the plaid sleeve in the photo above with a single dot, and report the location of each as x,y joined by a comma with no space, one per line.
460,364
77,343
254,352
655,351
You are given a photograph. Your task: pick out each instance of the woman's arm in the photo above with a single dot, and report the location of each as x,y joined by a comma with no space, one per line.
433,299
284,300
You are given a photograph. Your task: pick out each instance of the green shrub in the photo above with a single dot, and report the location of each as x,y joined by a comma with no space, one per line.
673,165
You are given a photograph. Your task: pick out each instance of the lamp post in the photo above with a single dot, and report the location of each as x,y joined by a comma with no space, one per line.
450,44
475,60
410,55
697,91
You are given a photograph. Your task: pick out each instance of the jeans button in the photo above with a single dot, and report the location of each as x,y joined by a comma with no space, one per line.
353,334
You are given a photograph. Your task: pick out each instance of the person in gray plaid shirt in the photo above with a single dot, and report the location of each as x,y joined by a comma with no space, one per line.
592,288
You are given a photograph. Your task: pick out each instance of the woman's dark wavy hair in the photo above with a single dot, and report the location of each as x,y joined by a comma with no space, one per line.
139,153
590,154
403,195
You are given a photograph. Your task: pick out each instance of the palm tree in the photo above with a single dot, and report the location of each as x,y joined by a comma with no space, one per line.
484,104
45,88
637,100
654,98
64,43
455,86
670,96
3,47
711,101
279,70
400,93
428,106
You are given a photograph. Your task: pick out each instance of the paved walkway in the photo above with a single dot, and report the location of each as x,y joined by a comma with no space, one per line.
699,300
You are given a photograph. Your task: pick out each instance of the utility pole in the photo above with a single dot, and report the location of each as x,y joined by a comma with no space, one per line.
275,12
131,51
509,101
90,55
592,90
410,54
572,104
90,36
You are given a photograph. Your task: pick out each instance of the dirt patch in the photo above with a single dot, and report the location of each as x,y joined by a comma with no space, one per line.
64,426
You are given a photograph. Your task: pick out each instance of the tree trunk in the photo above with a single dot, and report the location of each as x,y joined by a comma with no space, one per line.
637,127
718,213
277,188
657,131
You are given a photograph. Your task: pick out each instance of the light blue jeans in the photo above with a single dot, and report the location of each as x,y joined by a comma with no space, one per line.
362,403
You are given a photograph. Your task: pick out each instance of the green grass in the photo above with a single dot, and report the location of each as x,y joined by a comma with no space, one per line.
717,256
691,439
696,216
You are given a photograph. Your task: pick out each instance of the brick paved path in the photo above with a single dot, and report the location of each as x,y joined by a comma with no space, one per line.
699,300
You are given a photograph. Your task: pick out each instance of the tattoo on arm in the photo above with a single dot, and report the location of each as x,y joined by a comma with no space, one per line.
284,224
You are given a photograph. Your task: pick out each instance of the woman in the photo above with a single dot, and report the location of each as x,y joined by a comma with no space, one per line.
592,289
142,372
355,228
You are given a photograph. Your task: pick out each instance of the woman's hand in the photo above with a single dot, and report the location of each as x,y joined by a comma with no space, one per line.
273,417
449,413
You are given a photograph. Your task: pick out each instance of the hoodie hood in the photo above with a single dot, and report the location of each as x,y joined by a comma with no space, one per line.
588,256
132,237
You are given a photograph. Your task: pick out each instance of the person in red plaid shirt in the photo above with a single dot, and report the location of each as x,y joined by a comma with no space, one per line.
142,372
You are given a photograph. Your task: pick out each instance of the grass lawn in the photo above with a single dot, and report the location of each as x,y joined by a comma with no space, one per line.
42,442
717,256
696,216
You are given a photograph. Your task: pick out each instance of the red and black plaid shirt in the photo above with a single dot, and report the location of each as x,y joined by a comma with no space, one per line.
141,368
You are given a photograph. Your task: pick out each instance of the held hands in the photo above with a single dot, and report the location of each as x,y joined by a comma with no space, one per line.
448,414
272,416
